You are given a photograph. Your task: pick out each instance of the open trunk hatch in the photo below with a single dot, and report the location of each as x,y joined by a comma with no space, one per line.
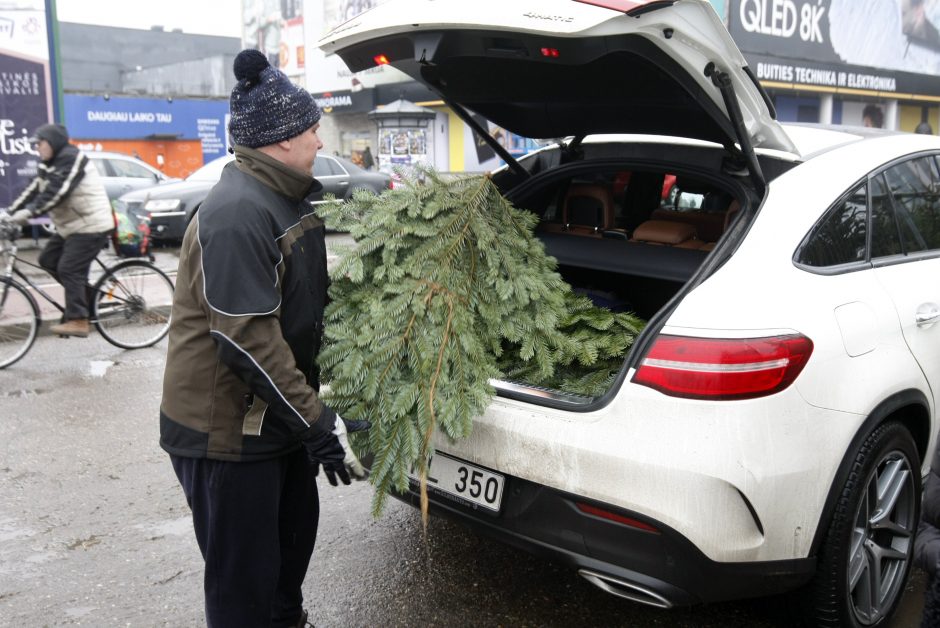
562,68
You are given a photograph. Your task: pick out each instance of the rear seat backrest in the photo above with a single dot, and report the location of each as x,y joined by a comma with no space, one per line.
588,209
667,233
643,195
709,226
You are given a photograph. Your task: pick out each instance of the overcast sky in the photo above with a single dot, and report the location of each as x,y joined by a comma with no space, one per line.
209,17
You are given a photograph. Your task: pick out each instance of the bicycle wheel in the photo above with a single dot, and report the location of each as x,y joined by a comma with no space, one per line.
19,322
131,304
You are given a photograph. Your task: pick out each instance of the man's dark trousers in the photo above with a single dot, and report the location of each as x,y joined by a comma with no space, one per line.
256,525
68,260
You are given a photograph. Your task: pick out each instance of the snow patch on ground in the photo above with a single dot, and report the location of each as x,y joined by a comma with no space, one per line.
97,368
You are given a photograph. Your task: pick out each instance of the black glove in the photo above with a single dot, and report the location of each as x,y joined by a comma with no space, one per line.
331,449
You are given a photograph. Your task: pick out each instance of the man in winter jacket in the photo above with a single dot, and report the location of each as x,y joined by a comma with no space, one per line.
240,416
67,186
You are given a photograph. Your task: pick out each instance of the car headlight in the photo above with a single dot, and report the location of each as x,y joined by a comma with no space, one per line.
162,205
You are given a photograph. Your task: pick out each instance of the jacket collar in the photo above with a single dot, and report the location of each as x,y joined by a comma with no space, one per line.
276,175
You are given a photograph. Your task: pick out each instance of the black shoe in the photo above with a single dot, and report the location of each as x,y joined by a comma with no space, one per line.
303,622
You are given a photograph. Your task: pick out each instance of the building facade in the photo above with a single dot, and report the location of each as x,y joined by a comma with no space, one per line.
169,109
849,62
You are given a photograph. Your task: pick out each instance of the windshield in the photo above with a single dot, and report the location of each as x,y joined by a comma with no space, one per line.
212,171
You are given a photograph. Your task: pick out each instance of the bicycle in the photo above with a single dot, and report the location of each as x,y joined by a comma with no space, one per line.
129,303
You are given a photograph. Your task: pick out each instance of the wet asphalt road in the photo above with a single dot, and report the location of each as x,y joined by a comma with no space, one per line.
94,529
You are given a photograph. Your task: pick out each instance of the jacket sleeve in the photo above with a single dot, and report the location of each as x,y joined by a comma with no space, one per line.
25,196
63,174
243,296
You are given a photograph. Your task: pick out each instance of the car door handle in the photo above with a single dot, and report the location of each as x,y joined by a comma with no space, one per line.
344,183
927,314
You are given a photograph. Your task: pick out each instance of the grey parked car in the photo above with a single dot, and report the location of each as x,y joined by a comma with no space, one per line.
169,207
122,173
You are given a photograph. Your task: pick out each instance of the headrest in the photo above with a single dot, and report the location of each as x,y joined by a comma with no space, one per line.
664,232
693,186
600,192
717,201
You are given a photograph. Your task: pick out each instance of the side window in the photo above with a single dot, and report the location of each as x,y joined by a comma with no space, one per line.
321,167
840,238
130,169
102,166
885,240
336,167
326,167
915,188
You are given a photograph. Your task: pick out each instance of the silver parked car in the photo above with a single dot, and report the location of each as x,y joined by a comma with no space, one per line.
123,173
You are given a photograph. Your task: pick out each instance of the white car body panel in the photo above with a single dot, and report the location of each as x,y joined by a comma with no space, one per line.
682,462
911,289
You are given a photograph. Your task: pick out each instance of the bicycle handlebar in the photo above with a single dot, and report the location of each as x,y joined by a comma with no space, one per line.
9,230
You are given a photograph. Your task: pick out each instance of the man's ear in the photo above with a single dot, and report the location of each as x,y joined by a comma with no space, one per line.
285,144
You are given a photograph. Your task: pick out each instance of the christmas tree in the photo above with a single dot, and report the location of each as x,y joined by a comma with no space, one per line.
448,288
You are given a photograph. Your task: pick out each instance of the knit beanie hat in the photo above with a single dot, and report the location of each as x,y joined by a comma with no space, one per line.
266,107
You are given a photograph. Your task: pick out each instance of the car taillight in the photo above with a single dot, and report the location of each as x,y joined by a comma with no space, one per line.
723,368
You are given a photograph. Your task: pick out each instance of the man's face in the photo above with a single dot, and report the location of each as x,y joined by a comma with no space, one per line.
44,149
304,149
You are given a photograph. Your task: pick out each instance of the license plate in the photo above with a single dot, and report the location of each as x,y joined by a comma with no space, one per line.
468,482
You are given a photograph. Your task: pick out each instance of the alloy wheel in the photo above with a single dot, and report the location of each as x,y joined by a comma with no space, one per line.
882,539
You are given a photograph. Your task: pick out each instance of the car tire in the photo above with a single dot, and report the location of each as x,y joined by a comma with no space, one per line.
875,519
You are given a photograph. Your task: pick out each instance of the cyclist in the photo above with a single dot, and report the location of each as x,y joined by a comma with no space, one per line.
67,187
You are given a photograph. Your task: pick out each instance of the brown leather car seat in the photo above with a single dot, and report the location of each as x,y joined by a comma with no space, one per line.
667,233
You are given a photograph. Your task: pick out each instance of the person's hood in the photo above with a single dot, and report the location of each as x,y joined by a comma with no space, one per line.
56,134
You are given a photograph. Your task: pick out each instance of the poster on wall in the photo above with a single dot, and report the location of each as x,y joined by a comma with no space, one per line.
25,92
402,147
832,43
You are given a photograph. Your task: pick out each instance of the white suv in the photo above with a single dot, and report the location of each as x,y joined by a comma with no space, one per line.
769,428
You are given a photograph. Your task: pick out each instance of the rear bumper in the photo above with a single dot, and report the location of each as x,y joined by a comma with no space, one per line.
660,569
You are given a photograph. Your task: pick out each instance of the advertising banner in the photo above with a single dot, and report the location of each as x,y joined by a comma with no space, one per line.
329,73
25,91
276,28
345,101
872,45
94,118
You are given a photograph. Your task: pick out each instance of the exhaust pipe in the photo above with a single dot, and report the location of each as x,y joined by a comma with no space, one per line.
628,590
